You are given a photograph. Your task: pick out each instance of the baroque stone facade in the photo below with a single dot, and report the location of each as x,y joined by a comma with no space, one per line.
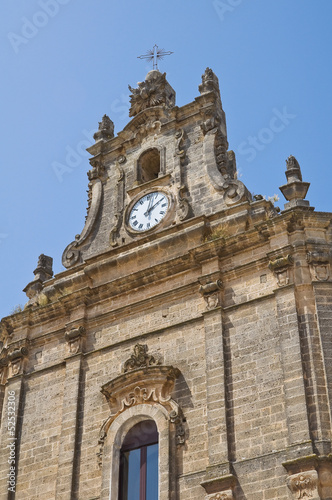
184,301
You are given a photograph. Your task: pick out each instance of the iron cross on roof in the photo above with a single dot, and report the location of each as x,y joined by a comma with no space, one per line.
155,54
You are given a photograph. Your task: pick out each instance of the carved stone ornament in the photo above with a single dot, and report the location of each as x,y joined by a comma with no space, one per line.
179,150
154,91
105,130
210,293
320,264
16,358
210,82
72,253
139,359
210,121
224,495
183,206
4,361
148,385
119,201
74,338
222,174
280,268
42,273
295,190
304,484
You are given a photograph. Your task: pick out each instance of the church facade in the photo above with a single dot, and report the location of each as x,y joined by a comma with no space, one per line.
185,352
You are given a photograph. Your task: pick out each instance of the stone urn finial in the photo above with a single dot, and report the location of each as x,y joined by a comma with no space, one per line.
295,190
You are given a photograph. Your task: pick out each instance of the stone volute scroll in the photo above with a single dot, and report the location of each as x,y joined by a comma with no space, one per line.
97,177
220,163
144,380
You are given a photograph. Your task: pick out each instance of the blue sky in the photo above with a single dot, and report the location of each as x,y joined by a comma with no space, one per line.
67,62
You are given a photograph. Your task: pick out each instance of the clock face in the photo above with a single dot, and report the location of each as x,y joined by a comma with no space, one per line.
148,211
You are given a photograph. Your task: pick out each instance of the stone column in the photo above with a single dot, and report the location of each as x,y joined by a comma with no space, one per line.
295,397
69,440
215,378
10,432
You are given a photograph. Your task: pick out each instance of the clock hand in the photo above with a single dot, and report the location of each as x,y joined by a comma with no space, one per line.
149,206
161,199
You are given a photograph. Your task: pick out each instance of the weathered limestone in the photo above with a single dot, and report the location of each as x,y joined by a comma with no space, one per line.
215,323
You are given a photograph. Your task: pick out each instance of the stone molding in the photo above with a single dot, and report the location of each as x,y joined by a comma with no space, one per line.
220,488
149,384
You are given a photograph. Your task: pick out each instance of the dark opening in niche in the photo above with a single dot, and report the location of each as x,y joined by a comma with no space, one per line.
149,165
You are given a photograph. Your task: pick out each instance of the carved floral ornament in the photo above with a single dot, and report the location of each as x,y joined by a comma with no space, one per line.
154,91
144,381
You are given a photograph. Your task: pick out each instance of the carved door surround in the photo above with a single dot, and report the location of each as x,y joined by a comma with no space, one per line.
141,392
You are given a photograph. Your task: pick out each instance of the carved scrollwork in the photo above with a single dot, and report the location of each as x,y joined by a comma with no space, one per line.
72,254
303,485
143,382
224,495
179,151
221,168
139,359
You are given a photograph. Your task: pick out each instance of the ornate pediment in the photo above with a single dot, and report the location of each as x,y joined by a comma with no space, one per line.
151,384
143,381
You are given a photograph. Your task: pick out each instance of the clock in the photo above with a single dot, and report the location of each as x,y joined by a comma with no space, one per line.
148,211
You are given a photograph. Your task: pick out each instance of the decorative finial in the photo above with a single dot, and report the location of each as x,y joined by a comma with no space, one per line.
154,54
209,83
295,190
42,273
105,129
154,91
